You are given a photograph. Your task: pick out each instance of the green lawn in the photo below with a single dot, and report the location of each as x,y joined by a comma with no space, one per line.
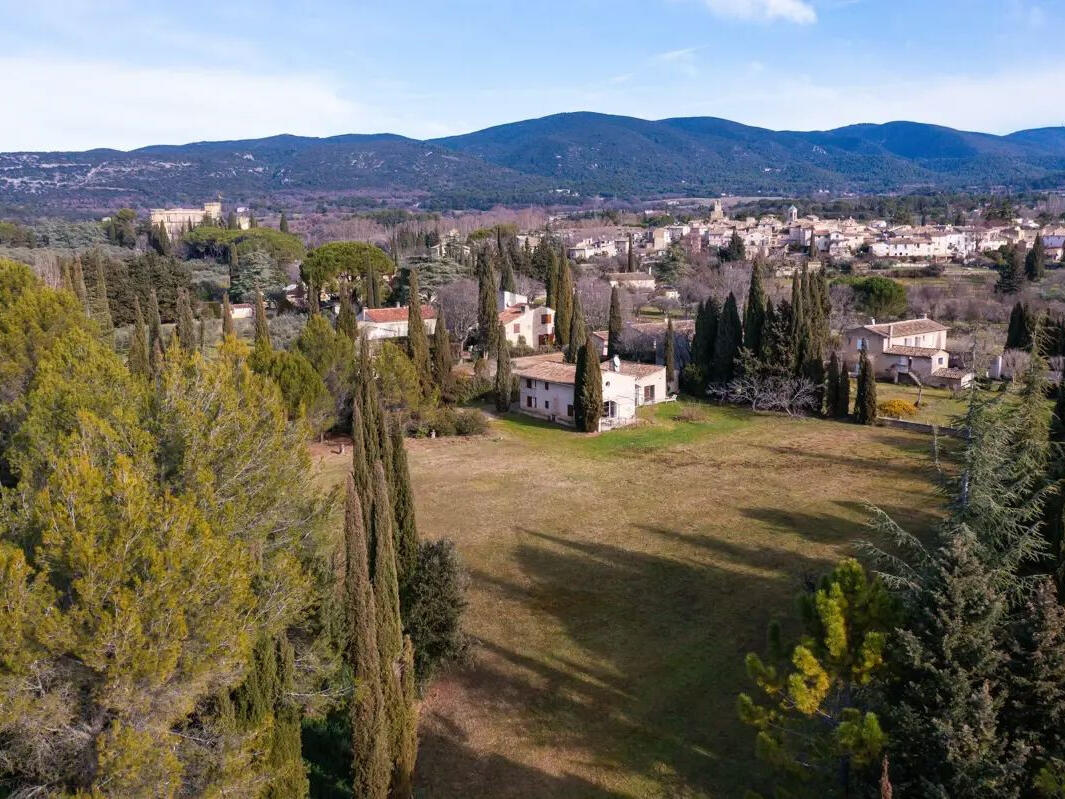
617,582
938,406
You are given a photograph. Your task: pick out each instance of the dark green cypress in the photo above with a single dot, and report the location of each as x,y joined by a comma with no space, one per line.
1054,509
186,324
347,322
1035,260
798,334
1011,278
80,290
865,401
282,225
503,377
360,462
487,311
564,303
588,389
417,340
403,505
578,331
506,274
631,263
372,761
670,357
614,326
844,402
754,312
139,359
728,343
833,387
262,327
228,328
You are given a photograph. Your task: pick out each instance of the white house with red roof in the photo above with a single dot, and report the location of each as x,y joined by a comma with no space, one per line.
524,322
385,323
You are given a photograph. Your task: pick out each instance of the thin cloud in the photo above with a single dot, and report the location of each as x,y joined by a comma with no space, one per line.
798,11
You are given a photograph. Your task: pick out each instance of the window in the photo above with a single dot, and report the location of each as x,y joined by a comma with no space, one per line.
528,402
545,319
547,405
610,409
648,393
569,410
517,327
528,382
547,386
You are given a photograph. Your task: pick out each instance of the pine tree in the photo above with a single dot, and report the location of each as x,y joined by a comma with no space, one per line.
186,325
728,343
262,327
754,312
386,601
564,303
503,373
282,225
228,328
588,389
578,330
347,321
614,326
1035,260
670,357
417,340
139,359
372,761
487,311
865,401
442,358
403,505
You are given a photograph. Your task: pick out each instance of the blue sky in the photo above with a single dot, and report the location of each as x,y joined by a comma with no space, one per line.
125,74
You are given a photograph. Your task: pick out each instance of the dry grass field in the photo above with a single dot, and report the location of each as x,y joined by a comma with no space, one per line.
617,581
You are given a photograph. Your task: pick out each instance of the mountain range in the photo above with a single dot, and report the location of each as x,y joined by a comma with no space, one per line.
563,158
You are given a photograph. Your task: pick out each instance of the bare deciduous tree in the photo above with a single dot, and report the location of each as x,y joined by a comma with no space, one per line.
459,303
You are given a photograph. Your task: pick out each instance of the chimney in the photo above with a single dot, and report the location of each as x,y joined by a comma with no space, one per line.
890,331
872,320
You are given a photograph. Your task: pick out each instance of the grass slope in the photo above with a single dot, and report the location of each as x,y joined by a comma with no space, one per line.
617,582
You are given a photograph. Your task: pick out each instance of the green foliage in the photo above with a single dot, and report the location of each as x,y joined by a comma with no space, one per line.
815,726
880,297
442,356
324,266
503,379
1035,260
121,228
1021,326
727,344
564,303
487,311
613,341
670,356
588,389
256,272
208,241
434,601
865,407
417,339
302,389
397,377
578,330
1011,276
139,359
754,311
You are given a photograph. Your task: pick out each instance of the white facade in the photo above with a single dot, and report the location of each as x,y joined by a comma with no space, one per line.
533,324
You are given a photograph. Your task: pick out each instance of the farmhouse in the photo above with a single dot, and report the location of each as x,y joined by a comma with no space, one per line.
175,220
913,347
383,323
546,390
524,322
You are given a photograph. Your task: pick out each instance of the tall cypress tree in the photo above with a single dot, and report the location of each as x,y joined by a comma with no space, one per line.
139,359
754,312
100,306
503,378
865,401
550,266
417,340
1035,260
442,359
1054,509
613,340
80,290
487,312
798,328
403,505
360,459
1011,278
347,321
1019,331
844,402
832,398
588,389
186,325
728,342
506,273
386,601
631,264
564,303
282,225
670,356
372,761
407,754
578,330
228,328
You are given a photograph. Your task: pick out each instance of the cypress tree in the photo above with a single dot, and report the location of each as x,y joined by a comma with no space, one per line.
728,343
360,460
798,338
632,257
1035,260
417,340
186,325
754,312
407,755
767,352
386,601
347,322
283,224
844,403
228,328
100,307
506,274
201,336
550,266
442,360
403,505
578,330
384,442
372,760
66,279
80,290
1054,510
1011,278
613,340
1021,325
705,338
865,401
588,389
487,311
289,775
262,327
832,398
670,356
503,372
564,303
157,358
139,360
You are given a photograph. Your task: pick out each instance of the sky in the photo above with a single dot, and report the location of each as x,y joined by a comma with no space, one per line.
125,74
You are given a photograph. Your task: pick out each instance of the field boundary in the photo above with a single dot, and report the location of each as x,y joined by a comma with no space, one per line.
923,427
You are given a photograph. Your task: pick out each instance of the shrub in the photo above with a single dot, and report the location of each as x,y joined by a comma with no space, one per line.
470,422
435,601
465,389
897,409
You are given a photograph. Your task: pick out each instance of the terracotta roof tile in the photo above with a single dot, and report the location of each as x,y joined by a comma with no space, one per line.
396,314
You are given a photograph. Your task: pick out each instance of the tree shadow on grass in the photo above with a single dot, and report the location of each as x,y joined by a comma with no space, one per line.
643,682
